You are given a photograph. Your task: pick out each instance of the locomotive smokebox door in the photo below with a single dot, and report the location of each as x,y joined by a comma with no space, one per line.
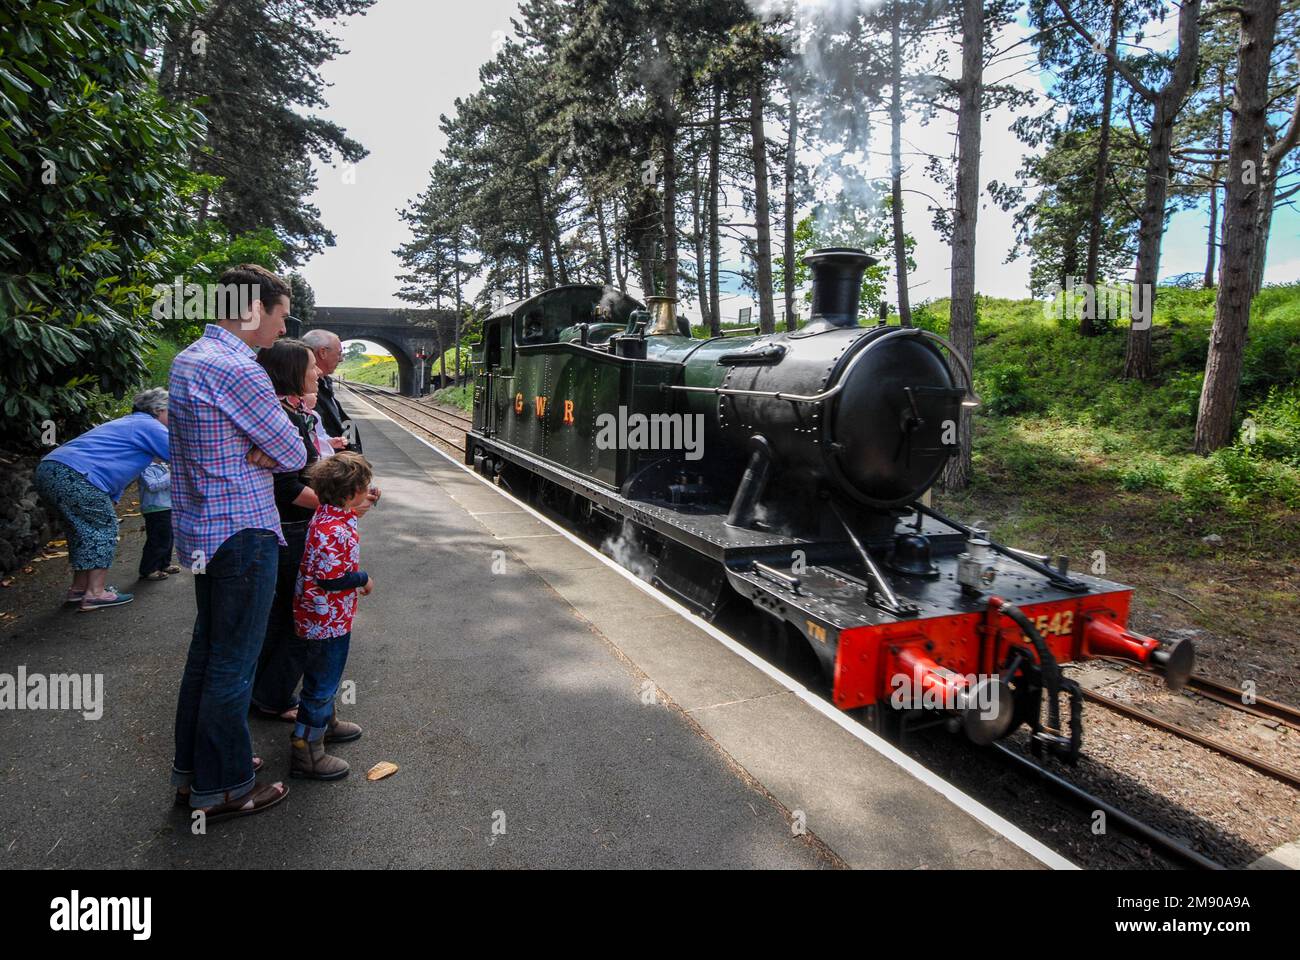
895,422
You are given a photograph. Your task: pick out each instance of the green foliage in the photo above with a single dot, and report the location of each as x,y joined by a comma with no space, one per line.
466,351
1055,413
200,253
927,317
1277,426
1054,227
461,396
254,71
843,226
1007,390
1144,475
375,369
91,166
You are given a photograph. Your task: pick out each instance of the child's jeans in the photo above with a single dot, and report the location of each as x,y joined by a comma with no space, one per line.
157,553
321,676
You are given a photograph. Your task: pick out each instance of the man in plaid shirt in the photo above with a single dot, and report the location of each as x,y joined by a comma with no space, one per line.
228,435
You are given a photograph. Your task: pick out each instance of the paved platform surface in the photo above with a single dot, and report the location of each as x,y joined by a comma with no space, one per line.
518,681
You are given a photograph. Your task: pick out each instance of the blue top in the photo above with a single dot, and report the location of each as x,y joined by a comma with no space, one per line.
155,488
114,453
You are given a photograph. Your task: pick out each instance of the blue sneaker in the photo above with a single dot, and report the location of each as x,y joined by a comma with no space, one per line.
114,599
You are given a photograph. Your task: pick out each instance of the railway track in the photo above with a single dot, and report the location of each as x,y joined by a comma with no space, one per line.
1231,697
443,426
1173,849
441,413
1183,733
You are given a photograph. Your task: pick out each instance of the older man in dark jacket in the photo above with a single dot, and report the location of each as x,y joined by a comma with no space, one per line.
329,353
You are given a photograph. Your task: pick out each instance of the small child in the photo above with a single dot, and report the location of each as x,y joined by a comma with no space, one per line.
325,600
156,508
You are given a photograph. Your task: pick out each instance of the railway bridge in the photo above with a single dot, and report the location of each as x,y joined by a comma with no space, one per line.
405,333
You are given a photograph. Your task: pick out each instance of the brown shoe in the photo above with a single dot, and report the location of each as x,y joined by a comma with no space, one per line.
309,759
263,796
341,731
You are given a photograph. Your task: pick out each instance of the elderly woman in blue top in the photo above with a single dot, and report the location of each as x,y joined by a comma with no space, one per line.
84,478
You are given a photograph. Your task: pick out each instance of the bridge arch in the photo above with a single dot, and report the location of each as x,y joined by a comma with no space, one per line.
401,332
406,364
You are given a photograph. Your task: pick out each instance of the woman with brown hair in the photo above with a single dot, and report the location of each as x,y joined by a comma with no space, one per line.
291,366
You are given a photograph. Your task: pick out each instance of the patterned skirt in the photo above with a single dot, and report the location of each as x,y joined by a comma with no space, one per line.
87,512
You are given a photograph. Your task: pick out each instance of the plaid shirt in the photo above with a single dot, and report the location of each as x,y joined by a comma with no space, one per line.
221,406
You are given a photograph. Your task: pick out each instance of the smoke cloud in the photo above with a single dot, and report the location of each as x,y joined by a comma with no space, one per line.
825,39
629,554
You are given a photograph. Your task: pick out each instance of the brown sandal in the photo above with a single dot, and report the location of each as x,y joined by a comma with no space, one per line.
261,797
183,796
287,716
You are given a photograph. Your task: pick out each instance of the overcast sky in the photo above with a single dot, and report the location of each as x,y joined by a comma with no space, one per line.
408,60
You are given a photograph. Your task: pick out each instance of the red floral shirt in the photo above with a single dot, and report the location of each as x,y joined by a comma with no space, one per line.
333,550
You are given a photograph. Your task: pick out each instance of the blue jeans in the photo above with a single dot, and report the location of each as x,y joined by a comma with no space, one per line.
279,668
214,750
320,685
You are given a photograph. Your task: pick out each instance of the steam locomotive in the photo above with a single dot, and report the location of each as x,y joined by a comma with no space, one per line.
792,471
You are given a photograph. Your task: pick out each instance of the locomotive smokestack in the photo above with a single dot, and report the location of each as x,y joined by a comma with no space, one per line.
837,284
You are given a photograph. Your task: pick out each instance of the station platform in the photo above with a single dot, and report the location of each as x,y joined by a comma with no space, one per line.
546,709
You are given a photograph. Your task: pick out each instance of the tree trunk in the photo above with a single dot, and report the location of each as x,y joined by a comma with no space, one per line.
962,324
544,231
715,159
1241,222
644,226
762,214
698,236
604,243
459,302
1212,243
1264,216
791,169
1212,234
1151,226
1086,325
562,268
670,210
1165,104
620,251
1275,155
896,164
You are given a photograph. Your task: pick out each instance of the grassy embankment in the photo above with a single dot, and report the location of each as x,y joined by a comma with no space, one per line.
1070,459
375,369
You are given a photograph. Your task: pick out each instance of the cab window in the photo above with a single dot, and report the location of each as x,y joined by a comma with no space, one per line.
492,347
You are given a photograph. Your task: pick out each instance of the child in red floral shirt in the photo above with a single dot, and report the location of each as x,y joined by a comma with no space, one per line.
325,600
